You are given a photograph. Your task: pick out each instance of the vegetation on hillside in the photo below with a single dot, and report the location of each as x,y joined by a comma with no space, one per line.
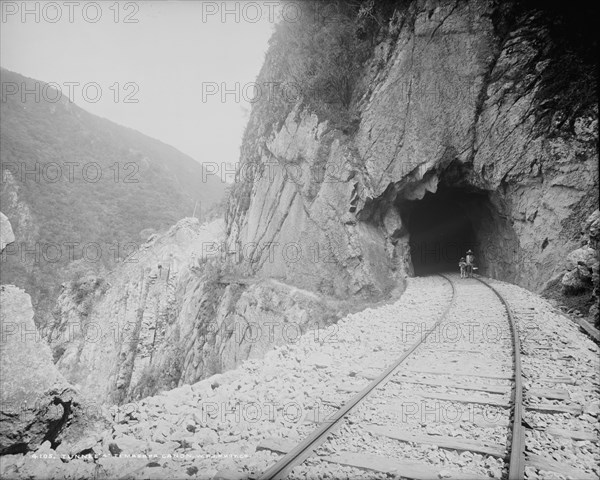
316,62
569,83
319,59
564,70
167,375
91,187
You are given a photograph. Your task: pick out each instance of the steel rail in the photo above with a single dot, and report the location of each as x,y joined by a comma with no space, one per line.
305,448
516,466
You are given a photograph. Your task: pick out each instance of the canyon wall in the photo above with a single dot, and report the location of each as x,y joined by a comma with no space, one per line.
451,98
450,104
170,315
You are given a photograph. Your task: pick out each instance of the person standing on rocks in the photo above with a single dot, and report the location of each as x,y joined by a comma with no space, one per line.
470,259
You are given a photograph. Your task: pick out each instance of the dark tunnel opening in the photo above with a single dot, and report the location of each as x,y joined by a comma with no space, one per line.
427,232
443,226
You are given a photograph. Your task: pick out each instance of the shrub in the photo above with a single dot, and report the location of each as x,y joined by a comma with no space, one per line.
213,366
159,377
565,70
322,55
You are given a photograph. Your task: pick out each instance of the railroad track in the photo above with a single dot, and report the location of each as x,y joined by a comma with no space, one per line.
458,387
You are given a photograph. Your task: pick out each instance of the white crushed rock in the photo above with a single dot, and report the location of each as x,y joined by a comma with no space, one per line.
216,424
554,347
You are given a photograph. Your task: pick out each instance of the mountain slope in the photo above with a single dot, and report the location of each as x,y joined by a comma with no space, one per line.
79,187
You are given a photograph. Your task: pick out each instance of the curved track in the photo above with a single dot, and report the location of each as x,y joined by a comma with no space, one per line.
306,447
435,347
516,468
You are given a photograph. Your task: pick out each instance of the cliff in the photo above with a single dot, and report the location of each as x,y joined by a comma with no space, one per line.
171,315
434,134
422,128
457,105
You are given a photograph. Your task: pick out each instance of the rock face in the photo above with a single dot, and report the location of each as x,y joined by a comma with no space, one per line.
6,233
35,397
36,403
171,316
583,265
449,108
445,111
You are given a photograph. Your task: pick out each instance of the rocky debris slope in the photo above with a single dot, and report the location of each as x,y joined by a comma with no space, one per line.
170,315
37,404
451,100
575,289
583,266
216,426
561,378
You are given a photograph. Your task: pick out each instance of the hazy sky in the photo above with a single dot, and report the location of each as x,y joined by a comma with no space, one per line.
161,53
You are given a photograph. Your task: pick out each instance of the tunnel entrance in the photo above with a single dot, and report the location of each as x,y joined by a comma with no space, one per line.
444,225
428,225
441,230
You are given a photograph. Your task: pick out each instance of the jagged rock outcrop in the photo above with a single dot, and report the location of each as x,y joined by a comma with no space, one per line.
583,265
37,404
33,391
6,234
451,101
170,315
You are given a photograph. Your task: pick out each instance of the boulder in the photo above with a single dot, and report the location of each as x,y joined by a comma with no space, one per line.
35,398
319,360
592,226
583,266
37,404
129,445
6,234
573,282
205,436
584,256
